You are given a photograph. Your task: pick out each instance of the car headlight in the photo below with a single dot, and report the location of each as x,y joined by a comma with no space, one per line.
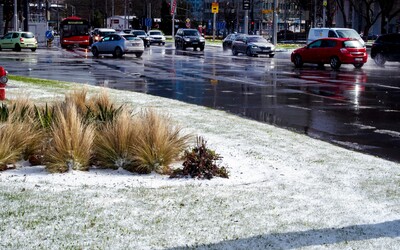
186,39
202,39
254,46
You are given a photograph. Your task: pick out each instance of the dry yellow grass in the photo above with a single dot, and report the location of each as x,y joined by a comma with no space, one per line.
71,143
114,141
159,142
17,141
143,143
78,97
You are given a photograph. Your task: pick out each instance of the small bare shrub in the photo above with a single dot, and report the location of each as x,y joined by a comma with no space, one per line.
114,141
159,142
200,162
71,143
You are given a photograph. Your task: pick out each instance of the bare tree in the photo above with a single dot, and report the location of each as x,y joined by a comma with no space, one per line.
367,10
341,7
390,9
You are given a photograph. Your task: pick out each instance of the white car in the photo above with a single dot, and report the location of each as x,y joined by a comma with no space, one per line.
118,45
156,36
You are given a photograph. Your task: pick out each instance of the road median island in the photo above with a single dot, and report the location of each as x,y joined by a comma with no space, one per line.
285,191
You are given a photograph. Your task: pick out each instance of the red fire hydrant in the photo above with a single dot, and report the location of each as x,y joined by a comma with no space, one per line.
3,83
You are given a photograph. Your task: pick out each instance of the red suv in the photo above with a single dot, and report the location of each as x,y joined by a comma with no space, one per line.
333,51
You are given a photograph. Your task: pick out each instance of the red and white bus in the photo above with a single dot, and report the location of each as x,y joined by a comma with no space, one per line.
74,31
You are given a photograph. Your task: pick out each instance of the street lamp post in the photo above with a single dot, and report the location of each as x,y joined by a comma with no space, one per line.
15,16
275,22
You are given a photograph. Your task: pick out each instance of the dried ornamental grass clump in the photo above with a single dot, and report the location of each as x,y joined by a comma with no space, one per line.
71,141
113,143
159,142
18,141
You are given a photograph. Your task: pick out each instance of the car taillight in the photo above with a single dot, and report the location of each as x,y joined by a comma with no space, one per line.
344,51
21,40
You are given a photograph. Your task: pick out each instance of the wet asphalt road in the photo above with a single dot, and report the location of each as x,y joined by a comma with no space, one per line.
357,109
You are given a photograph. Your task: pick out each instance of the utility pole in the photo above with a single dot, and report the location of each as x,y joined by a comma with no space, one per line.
15,16
324,3
275,22
26,15
246,7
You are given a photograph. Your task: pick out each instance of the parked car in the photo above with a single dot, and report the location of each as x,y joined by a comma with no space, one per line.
98,33
118,45
228,40
386,48
252,45
143,35
333,51
156,36
18,40
186,38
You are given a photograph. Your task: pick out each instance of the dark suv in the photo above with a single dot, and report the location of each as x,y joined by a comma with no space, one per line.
386,48
185,38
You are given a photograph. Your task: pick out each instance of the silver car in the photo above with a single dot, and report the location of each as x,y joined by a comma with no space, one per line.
252,45
118,45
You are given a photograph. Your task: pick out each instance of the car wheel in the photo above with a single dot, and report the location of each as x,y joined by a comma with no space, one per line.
138,54
335,63
33,50
358,65
17,47
194,48
248,52
176,45
0,48
201,48
162,44
298,62
117,52
271,55
183,47
380,59
95,52
234,51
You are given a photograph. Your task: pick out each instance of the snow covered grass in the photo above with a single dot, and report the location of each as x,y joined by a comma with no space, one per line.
285,191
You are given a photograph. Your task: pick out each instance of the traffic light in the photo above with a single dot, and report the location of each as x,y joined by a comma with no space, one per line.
252,25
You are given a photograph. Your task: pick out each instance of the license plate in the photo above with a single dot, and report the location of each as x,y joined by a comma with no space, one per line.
194,42
358,59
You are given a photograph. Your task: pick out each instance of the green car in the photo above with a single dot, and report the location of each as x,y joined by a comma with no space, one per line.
18,40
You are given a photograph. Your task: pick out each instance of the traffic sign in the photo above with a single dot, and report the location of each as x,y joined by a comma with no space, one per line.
246,4
214,7
148,22
49,34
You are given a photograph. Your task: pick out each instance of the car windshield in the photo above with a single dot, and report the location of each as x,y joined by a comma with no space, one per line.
139,33
155,33
348,34
353,44
257,40
190,33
